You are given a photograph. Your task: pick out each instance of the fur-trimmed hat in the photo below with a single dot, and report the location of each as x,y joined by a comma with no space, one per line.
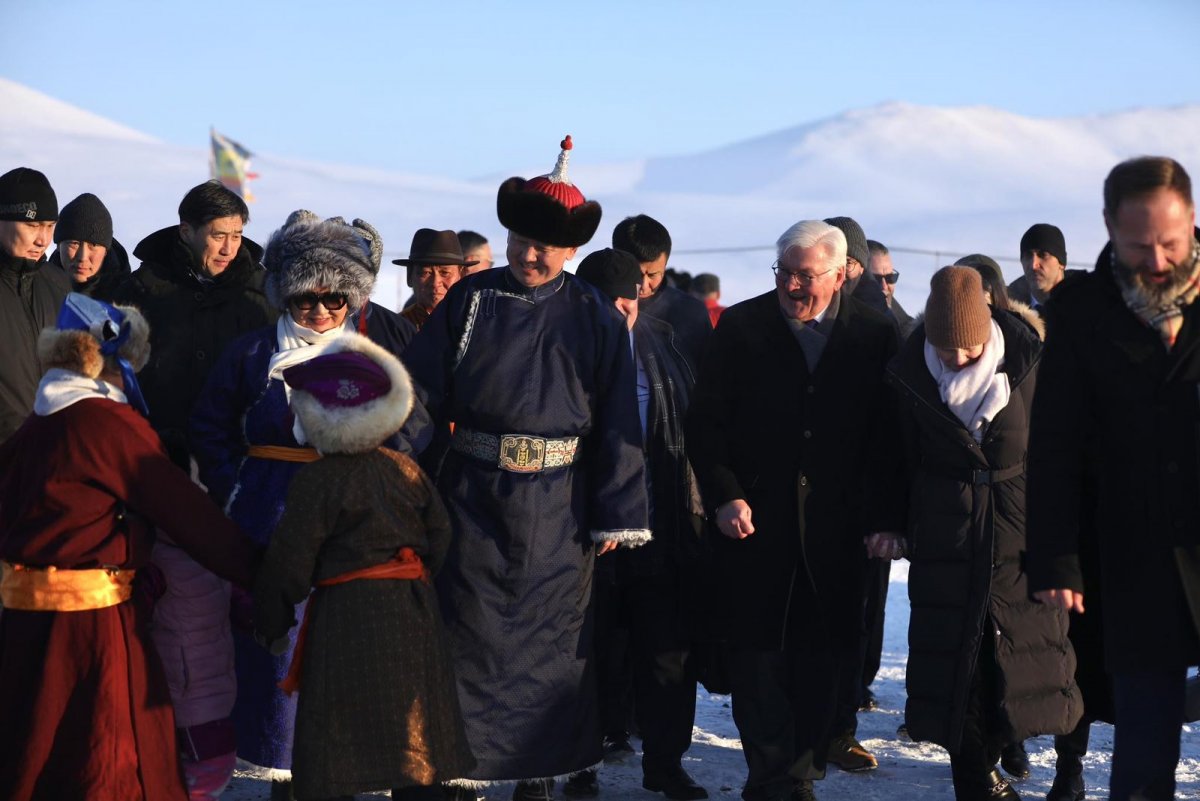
372,398
548,209
87,331
308,254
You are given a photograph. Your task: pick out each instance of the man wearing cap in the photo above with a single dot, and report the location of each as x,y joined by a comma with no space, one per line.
1114,422
650,243
857,258
435,263
1043,264
642,589
201,287
29,294
94,262
796,448
545,469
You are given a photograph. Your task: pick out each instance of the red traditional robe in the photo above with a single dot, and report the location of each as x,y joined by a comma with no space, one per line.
84,706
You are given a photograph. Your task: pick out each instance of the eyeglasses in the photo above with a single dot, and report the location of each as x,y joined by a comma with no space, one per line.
890,278
805,279
332,301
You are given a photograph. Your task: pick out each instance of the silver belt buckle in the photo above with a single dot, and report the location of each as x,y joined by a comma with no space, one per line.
521,454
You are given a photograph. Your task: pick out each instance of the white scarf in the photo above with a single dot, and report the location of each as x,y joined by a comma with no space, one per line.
977,392
60,388
297,345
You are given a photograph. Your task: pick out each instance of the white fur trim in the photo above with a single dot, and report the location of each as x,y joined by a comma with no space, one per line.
625,537
61,388
359,428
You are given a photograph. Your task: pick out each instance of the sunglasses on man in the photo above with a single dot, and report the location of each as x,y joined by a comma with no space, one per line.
890,278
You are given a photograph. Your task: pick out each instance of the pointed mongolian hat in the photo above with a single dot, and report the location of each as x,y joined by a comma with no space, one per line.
549,209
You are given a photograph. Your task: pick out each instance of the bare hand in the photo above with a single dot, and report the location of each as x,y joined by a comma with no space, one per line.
733,520
1064,599
605,547
886,545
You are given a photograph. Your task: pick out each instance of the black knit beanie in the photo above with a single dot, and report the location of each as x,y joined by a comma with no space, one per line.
614,272
856,240
1048,238
26,195
84,219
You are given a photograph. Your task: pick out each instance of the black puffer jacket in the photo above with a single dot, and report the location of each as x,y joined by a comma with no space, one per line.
31,293
966,532
114,270
191,323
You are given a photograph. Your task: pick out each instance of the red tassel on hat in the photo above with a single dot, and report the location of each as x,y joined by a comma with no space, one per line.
556,184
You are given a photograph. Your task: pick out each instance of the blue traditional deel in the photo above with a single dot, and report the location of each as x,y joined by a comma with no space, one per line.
108,325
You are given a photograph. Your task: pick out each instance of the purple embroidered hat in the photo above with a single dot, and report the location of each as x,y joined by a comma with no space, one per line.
344,379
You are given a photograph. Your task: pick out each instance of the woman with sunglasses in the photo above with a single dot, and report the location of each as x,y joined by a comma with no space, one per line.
249,445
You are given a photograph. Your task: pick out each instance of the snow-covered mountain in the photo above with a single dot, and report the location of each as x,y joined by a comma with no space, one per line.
946,180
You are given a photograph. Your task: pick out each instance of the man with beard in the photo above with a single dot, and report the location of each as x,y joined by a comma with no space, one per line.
794,442
30,294
1117,405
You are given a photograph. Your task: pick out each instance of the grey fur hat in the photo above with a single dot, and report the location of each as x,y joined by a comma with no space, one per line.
308,254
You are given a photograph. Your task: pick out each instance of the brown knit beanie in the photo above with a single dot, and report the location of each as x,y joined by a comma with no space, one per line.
957,314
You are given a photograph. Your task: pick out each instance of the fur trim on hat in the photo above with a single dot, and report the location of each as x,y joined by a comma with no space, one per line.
308,254
79,351
543,219
357,429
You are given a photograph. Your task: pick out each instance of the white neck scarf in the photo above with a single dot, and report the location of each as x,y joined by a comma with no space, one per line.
298,344
977,392
60,388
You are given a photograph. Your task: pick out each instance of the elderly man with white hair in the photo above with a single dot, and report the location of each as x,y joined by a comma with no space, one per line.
777,437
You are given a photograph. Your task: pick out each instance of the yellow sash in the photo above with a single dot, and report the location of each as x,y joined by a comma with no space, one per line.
52,590
282,453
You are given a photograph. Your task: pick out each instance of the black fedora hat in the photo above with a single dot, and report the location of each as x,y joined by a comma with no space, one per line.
434,247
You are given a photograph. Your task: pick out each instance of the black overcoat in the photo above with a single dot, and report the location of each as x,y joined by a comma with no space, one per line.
1114,404
966,534
793,444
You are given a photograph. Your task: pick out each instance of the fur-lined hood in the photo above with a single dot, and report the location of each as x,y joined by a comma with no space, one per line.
308,254
357,429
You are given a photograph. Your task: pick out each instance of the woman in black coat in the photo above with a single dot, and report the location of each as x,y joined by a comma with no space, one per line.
987,665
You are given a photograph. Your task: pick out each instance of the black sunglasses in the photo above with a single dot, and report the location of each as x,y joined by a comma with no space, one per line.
332,301
890,278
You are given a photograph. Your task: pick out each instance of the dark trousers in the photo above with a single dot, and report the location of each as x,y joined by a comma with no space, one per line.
1149,710
854,666
879,575
981,743
783,705
644,611
1072,748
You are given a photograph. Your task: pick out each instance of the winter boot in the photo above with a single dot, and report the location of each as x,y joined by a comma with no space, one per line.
534,790
583,784
1015,760
991,786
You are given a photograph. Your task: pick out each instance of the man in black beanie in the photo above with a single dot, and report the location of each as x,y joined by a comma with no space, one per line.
92,260
640,589
1044,264
858,256
29,296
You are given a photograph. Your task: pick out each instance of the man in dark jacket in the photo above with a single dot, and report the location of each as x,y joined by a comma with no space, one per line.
94,262
1117,406
643,589
201,287
857,257
650,243
789,424
29,294
1043,265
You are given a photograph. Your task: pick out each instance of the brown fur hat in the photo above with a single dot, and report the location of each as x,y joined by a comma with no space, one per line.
79,351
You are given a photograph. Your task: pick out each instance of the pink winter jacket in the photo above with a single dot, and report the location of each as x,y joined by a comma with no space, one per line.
192,633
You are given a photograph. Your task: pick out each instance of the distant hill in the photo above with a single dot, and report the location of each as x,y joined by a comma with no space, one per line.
953,180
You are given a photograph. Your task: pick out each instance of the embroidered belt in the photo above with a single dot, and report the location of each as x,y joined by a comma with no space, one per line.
517,453
405,564
49,589
281,453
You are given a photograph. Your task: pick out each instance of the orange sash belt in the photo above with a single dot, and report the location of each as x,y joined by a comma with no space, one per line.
282,453
50,589
406,564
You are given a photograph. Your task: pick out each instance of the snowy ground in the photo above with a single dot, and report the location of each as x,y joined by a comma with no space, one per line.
907,771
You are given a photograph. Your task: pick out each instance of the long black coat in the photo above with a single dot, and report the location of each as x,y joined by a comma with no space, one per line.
191,324
31,293
966,537
1113,402
793,445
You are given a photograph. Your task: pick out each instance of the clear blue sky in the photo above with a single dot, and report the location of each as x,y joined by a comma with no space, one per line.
466,89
